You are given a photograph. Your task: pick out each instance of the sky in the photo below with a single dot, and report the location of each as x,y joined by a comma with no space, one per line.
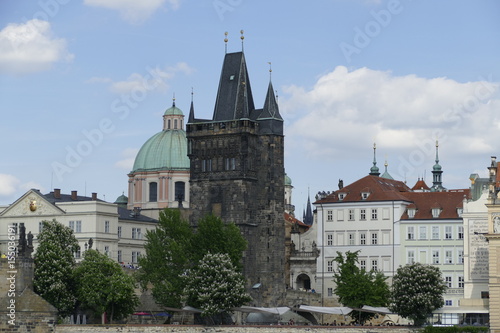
84,83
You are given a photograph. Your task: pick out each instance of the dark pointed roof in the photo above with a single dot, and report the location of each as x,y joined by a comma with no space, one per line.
420,185
308,217
234,96
191,113
270,110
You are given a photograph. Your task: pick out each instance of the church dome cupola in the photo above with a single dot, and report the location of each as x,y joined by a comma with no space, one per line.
173,118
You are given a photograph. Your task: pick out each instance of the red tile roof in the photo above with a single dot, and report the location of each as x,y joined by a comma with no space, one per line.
420,185
379,189
291,219
448,201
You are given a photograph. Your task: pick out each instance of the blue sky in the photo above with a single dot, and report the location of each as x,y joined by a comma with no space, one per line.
95,76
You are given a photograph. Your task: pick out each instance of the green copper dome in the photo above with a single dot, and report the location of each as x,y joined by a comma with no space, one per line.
173,111
288,180
166,150
121,200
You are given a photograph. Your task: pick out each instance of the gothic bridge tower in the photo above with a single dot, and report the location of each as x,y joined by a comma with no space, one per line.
237,172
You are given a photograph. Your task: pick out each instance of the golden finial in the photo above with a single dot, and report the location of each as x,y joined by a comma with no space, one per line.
225,40
242,38
173,100
270,69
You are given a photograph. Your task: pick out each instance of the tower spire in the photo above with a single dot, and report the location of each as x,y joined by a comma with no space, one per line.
437,183
374,170
225,41
242,38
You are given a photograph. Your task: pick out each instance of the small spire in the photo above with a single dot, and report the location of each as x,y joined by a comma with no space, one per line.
192,94
374,170
242,38
173,100
225,41
270,70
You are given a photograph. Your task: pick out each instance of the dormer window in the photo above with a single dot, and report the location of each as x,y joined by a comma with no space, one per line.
460,211
364,195
341,196
411,212
436,212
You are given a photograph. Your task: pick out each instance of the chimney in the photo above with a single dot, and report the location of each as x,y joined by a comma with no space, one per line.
94,196
73,195
57,193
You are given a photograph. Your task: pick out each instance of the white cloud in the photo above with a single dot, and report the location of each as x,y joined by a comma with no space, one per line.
128,160
155,79
8,184
30,47
346,111
134,11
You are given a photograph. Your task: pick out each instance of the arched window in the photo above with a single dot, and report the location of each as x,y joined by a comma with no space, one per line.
153,192
180,191
175,123
168,124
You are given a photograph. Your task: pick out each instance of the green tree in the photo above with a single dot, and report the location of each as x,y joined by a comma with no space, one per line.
173,248
417,290
356,287
214,285
214,236
54,264
103,287
168,256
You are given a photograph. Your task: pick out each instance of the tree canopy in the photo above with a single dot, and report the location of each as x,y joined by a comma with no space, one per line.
417,290
54,264
356,287
103,286
173,248
214,285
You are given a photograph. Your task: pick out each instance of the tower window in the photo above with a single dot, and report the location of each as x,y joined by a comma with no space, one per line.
180,191
153,192
175,123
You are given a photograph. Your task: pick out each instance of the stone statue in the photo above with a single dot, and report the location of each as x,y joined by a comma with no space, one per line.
90,243
29,247
496,225
292,247
341,184
21,248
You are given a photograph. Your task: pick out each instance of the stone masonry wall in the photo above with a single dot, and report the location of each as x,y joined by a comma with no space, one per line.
226,329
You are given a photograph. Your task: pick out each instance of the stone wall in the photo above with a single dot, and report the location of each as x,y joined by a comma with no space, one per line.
226,329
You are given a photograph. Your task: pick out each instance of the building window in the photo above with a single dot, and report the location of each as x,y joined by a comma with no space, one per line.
175,123
40,227
230,163
351,239
447,232
329,266
119,232
411,257
341,196
447,280
329,239
362,239
330,292
485,294
374,239
448,302
362,214
435,257
448,258
422,232
435,232
206,165
374,214
364,195
411,232
460,256
460,282
180,191
362,264
374,264
77,254
136,233
120,256
436,212
329,216
135,256
460,232
106,227
351,214
411,212
168,124
153,192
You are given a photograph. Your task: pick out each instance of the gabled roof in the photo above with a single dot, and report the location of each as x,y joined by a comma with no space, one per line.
420,185
381,189
291,219
447,201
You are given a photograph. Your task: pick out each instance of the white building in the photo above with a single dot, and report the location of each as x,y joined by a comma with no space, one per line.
114,230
